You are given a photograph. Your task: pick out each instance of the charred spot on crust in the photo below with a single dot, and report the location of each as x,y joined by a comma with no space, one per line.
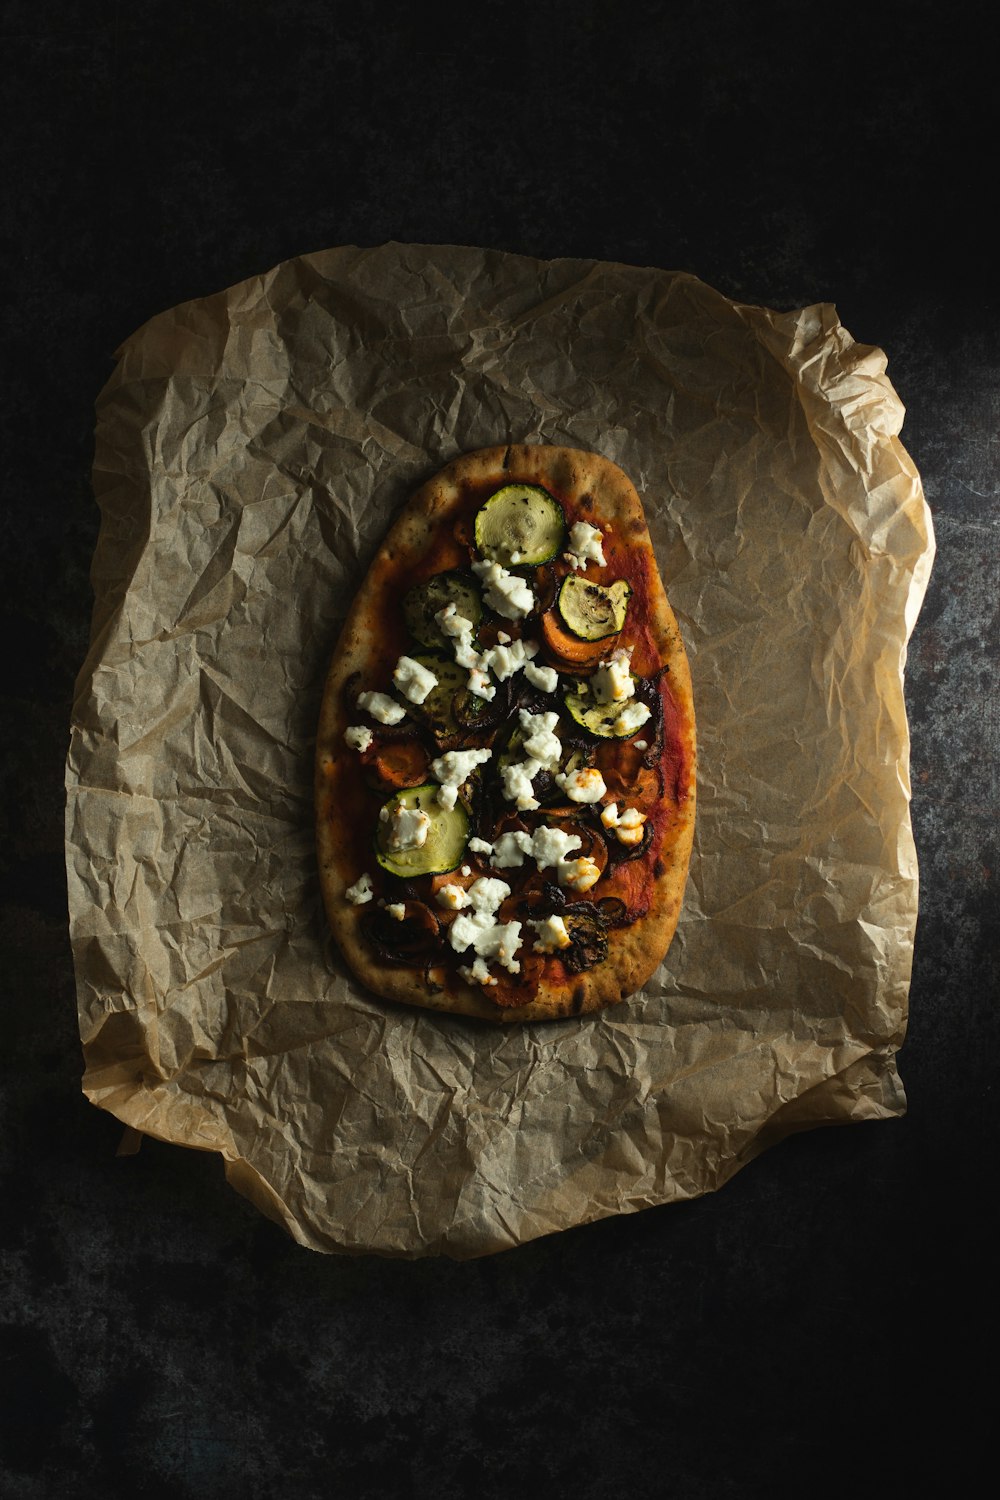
636,526
506,458
586,502
578,996
659,868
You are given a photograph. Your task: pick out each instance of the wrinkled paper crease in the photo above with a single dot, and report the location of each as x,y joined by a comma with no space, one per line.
252,448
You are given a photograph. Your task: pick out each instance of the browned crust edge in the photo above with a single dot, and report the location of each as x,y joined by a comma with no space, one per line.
635,952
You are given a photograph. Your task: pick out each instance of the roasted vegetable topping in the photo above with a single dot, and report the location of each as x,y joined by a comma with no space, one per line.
521,525
425,599
418,836
591,611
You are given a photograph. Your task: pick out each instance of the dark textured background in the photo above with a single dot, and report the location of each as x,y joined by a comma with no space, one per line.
807,1330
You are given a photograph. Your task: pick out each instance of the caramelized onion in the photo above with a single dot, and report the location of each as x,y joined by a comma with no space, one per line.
408,941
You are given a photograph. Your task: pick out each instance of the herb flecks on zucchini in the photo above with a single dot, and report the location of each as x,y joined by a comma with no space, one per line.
520,526
425,600
592,611
438,709
442,848
606,721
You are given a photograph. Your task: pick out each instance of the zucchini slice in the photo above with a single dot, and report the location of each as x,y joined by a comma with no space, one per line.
592,611
599,719
446,839
520,526
438,709
425,599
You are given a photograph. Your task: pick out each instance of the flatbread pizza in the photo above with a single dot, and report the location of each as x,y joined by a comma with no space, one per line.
505,777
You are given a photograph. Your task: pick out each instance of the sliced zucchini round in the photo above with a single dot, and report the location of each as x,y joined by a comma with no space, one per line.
438,709
520,526
446,839
592,611
597,718
425,599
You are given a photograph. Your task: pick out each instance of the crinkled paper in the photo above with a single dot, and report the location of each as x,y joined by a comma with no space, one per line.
252,448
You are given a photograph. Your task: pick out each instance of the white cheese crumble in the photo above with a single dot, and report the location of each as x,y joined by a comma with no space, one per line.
413,679
540,743
478,930
480,846
552,934
480,684
486,894
505,592
545,678
584,546
358,737
631,718
478,973
453,769
612,682
509,657
641,745
504,659
579,874
627,824
396,909
450,622
381,707
452,897
361,891
408,829
546,846
585,785
516,780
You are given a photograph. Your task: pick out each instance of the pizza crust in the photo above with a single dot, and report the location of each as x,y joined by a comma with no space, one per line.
592,488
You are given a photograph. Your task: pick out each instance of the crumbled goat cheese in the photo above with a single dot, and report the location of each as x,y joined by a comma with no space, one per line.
631,718
455,768
358,737
516,780
545,678
505,592
408,829
499,940
578,874
487,893
506,659
546,846
478,973
540,743
480,846
612,682
490,939
361,891
552,934
382,707
413,679
627,824
584,545
585,785
480,684
396,909
452,897
450,622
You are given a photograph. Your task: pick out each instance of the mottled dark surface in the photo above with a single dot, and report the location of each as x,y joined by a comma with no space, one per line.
807,1330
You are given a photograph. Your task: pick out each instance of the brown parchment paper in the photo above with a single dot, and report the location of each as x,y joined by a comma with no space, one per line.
252,448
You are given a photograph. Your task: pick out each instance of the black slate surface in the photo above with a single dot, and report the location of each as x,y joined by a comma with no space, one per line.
811,1328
